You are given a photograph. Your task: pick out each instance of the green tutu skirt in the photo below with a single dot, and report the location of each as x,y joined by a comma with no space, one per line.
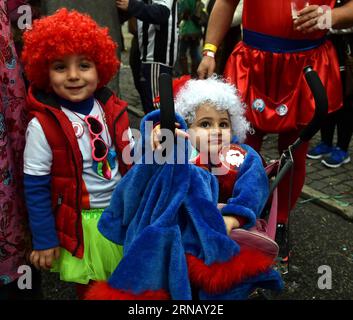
100,257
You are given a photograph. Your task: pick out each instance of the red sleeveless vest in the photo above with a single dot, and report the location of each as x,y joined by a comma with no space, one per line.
67,166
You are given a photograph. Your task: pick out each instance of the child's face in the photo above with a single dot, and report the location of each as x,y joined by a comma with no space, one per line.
211,130
73,78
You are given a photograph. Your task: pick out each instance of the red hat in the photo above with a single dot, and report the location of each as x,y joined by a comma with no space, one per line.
67,33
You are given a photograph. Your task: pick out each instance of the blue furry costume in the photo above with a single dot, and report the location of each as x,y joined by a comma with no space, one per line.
174,236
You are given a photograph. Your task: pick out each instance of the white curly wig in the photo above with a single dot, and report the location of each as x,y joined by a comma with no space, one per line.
215,91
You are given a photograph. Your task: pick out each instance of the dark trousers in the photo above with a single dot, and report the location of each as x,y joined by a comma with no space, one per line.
149,84
135,64
191,44
343,119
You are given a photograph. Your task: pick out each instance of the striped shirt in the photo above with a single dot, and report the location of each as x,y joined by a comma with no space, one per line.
159,42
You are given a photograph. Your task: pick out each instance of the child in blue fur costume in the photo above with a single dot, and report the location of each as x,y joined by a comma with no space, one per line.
174,219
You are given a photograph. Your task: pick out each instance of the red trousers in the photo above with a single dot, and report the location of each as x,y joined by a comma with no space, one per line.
284,140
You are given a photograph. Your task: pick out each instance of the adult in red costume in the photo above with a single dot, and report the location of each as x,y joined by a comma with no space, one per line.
267,67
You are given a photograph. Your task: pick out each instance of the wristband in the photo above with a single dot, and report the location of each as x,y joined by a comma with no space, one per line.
210,47
208,54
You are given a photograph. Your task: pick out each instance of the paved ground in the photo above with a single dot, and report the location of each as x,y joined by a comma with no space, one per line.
335,184
318,238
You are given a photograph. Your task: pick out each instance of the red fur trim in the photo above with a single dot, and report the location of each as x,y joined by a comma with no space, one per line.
102,291
178,83
220,277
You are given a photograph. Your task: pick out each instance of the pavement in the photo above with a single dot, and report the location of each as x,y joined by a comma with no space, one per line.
327,187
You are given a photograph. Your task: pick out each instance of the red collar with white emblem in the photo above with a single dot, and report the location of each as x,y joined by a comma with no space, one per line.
231,158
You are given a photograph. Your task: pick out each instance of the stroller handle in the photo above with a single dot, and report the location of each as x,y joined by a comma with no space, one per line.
321,104
166,102
321,107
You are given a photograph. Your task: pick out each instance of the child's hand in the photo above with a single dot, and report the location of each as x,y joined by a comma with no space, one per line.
43,259
156,136
231,223
221,205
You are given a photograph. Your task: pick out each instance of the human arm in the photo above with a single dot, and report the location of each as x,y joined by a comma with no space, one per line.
218,24
238,15
43,259
312,19
37,190
155,13
42,222
342,17
231,221
250,191
132,26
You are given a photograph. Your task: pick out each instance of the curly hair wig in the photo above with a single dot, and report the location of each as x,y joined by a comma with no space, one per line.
66,33
217,92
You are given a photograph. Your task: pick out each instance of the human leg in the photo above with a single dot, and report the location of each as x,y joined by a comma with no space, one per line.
195,55
183,60
345,125
147,87
339,154
327,131
135,64
255,140
150,84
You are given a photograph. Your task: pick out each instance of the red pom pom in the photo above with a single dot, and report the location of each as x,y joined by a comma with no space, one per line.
220,277
102,291
178,83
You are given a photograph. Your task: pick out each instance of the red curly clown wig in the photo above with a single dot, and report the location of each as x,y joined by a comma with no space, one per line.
66,33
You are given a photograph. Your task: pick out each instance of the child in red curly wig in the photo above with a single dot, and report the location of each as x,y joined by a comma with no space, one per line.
74,144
